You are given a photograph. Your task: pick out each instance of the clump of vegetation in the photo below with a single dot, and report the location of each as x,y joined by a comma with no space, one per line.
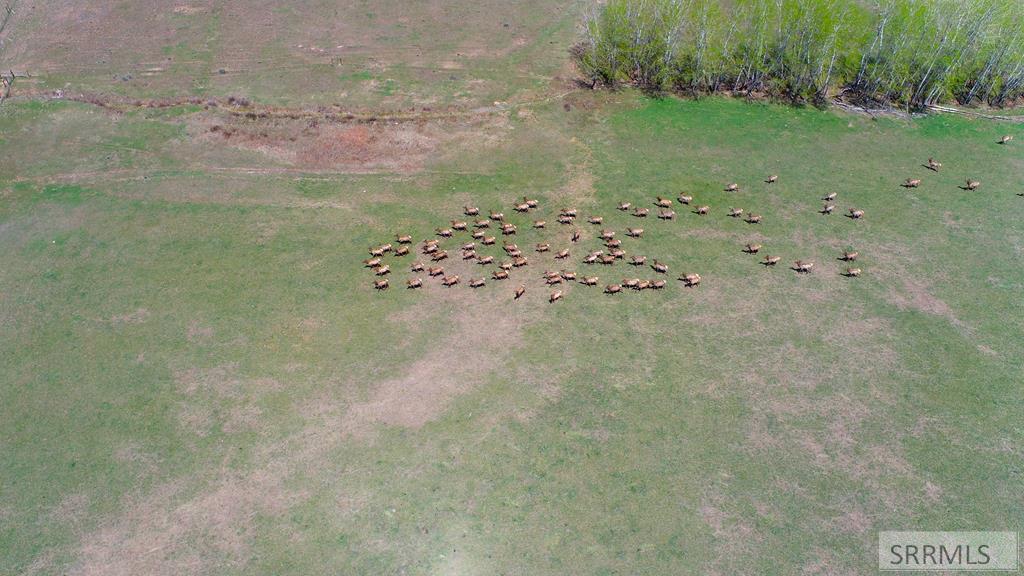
912,53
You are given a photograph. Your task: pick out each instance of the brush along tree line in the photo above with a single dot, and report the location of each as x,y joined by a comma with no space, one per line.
911,53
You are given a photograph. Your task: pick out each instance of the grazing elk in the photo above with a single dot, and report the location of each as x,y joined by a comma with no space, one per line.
691,280
772,179
477,283
382,270
485,260
373,262
435,270
702,210
543,247
402,251
538,224
634,232
497,216
933,165
488,240
638,260
625,206
403,238
612,289
852,272
667,214
684,199
1006,139
500,275
416,266
754,219
520,261
752,248
734,187
659,267
562,254
849,256
736,212
459,225
912,183
830,196
470,210
641,212
439,255
444,232
508,229
771,260
450,280
663,202
414,282
519,292
803,267
381,284
589,280
971,184
595,219
856,214
575,236
828,209
555,296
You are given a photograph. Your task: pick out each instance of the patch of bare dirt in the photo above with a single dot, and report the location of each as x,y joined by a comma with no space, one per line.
137,317
916,295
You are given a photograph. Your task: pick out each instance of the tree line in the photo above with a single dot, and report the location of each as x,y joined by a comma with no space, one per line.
910,53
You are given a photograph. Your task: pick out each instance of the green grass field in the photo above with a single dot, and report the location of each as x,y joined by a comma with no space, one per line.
198,377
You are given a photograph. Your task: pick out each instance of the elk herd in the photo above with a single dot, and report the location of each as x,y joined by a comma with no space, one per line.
613,248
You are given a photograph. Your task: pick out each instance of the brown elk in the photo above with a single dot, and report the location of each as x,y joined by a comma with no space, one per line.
971,185
524,207
613,243
734,187
803,266
641,212
497,216
754,219
634,232
617,253
532,203
381,284
470,210
485,260
482,224
595,219
736,212
401,251
562,254
658,284
933,165
625,206
510,246
612,289
771,260
550,274
912,183
830,196
638,260
575,236
516,253
691,280
450,280
630,282
607,259
1006,139
667,214
607,234
702,210
643,285
414,282
538,224
459,225
568,275
488,240
856,214
520,261
684,199
556,295
852,272
849,256
439,255
565,219
380,250
570,212
430,248
477,283
403,238
659,267
477,234
552,280
772,179
663,202
444,232
469,246
752,248
828,208
519,292
373,262
416,266
382,270
469,254
543,247
508,229
435,271
591,259
589,280
499,275
506,265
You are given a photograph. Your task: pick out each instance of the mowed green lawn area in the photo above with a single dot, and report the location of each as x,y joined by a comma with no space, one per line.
198,377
